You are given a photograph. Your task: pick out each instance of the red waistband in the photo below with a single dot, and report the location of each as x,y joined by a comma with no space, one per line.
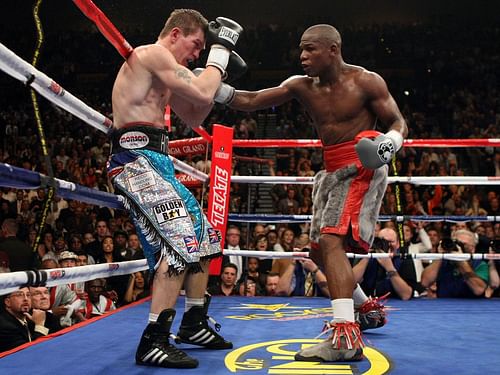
340,155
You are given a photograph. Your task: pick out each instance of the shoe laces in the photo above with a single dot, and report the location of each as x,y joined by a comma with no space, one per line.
172,350
348,330
327,327
376,303
217,326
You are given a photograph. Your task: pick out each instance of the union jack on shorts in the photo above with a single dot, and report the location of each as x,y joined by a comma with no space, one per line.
191,244
214,235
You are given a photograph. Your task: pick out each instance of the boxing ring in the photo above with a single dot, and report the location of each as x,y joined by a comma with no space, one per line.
422,336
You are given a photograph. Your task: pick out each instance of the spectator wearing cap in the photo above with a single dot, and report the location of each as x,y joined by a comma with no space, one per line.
67,259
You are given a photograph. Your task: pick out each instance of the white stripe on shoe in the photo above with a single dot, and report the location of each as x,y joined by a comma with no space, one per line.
203,337
148,355
157,357
162,358
198,334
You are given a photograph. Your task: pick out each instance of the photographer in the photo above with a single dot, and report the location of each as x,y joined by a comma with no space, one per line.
300,277
394,275
464,279
494,282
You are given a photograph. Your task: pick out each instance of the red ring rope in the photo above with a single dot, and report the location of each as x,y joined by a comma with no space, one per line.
486,142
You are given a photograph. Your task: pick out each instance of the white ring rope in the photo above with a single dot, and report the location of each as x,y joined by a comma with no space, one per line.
283,219
189,170
416,180
12,281
16,67
302,254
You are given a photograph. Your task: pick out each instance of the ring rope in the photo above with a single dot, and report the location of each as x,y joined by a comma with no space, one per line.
269,218
457,257
19,69
189,170
105,26
12,281
259,143
416,180
20,178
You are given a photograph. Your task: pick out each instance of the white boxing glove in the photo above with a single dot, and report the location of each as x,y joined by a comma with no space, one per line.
373,153
224,94
218,57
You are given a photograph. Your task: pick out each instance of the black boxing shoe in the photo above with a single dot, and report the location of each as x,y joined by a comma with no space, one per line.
155,348
195,330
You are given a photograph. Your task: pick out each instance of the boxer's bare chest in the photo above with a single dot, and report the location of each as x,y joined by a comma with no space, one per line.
338,111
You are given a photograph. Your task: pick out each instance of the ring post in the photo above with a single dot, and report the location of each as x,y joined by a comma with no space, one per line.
220,183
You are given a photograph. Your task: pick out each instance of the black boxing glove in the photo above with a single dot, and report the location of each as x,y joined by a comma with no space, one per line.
222,35
223,31
236,68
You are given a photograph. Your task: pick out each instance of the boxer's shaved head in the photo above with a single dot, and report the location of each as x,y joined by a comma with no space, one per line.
323,33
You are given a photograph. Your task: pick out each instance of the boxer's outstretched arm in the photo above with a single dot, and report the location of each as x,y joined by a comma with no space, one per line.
255,100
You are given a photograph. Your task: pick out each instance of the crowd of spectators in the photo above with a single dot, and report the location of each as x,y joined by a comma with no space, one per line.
445,79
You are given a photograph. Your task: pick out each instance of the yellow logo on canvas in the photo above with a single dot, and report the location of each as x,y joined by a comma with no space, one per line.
277,357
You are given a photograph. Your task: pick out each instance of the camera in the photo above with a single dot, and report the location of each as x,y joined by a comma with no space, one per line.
448,244
495,246
380,244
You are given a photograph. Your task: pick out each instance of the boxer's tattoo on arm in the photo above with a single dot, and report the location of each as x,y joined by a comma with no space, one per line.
182,73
